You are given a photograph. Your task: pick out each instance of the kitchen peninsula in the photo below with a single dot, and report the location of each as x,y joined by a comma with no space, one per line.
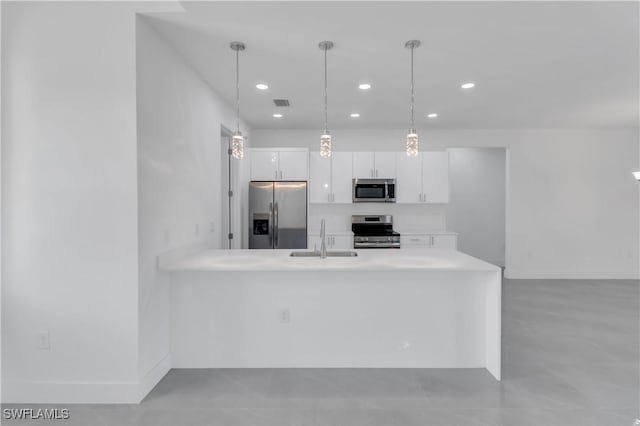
416,308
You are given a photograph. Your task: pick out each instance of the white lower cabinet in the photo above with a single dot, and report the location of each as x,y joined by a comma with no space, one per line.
333,242
448,241
445,241
407,241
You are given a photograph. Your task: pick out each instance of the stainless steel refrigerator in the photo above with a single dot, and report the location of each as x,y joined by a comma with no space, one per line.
277,215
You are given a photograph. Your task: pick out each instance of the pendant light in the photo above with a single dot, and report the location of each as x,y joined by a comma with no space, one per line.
412,135
325,138
237,140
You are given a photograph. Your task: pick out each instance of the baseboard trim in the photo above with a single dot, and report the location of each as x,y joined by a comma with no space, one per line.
45,392
153,376
569,275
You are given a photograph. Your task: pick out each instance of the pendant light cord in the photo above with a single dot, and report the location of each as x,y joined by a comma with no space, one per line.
237,92
325,90
412,96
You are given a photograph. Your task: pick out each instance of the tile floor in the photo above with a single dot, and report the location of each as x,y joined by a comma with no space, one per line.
570,357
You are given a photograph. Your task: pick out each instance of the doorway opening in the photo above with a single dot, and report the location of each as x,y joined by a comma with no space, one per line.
477,208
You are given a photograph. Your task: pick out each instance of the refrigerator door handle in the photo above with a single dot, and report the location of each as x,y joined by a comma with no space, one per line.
275,226
271,224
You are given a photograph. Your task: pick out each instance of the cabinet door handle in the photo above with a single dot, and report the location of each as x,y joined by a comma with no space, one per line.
280,174
432,243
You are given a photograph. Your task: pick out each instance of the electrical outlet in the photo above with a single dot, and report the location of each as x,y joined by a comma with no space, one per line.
284,315
212,227
44,342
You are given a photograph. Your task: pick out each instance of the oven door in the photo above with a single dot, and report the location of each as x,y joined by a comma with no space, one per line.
372,191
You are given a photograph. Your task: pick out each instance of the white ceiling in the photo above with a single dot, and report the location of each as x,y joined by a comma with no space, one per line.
535,64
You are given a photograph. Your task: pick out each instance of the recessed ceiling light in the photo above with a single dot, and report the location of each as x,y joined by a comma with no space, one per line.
354,115
364,86
277,115
468,85
261,86
432,115
636,175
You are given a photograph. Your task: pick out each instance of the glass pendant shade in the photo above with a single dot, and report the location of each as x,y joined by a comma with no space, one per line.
412,143
325,145
237,146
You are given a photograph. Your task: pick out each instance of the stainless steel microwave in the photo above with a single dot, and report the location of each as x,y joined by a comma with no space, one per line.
374,190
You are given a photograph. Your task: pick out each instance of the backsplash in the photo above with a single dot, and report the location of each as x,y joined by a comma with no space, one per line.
406,217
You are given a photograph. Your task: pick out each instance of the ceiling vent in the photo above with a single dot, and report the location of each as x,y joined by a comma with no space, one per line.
281,102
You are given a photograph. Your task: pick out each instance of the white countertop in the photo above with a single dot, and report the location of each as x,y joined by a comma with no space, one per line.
423,259
349,233
427,232
317,232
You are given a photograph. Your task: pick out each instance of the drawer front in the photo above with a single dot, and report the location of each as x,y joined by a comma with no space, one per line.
415,241
445,241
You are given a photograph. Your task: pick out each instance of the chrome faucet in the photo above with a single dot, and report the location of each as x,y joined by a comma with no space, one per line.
323,242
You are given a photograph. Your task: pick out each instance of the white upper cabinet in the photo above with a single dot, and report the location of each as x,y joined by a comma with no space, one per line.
264,165
293,165
424,178
341,187
363,165
319,178
371,165
409,178
435,177
385,165
279,164
330,179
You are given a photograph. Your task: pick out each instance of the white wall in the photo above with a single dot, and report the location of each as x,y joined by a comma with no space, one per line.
179,187
70,250
407,218
476,208
572,206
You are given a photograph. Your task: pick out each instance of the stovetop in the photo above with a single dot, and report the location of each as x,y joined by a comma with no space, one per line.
374,232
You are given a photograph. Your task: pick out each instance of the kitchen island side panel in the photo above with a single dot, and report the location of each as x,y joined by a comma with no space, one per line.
298,319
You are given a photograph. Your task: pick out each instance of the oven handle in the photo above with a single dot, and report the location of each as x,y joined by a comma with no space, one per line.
386,245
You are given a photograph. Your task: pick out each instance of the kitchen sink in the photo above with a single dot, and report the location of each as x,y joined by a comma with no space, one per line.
347,253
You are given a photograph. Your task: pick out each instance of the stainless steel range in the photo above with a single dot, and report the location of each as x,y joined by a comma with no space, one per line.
371,232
